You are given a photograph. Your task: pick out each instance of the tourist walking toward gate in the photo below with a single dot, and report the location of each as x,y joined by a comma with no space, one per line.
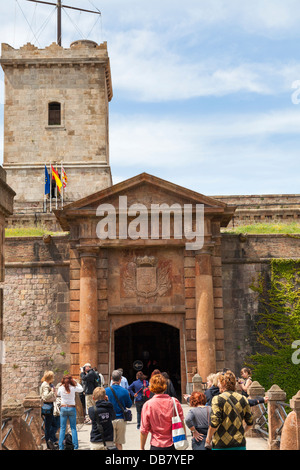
170,387
157,416
197,419
124,381
230,410
48,396
136,390
118,395
67,391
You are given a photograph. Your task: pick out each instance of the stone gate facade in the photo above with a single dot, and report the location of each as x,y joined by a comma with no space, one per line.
117,282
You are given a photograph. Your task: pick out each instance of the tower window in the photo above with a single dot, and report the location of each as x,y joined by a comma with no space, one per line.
54,114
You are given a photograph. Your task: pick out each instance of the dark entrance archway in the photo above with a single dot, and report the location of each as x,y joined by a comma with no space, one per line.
156,345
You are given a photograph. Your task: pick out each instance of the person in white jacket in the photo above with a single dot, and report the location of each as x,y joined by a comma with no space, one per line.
67,392
48,396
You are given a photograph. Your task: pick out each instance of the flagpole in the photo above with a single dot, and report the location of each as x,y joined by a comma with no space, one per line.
45,197
62,193
50,173
56,191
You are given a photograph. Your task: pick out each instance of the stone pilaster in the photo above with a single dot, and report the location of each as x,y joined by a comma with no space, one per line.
14,410
275,395
88,317
205,326
255,391
34,403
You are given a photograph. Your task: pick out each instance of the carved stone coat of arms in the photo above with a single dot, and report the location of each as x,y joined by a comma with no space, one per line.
146,278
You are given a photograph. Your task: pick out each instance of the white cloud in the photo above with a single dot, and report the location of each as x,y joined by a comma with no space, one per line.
146,68
172,141
216,155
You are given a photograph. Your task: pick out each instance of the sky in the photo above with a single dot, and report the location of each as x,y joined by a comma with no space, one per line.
206,93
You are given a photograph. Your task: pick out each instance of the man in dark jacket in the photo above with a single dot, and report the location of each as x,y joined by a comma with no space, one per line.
89,383
101,438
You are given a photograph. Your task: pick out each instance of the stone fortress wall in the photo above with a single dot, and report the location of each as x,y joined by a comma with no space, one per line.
38,302
263,208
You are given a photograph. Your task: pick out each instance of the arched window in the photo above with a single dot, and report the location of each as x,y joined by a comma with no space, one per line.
54,114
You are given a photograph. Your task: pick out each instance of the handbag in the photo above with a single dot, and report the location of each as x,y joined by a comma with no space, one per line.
126,413
101,431
146,391
47,409
178,435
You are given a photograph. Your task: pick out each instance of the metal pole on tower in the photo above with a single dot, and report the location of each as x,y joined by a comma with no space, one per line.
59,22
50,173
62,188
56,190
59,8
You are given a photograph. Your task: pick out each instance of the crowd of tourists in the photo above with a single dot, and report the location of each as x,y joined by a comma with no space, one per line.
217,417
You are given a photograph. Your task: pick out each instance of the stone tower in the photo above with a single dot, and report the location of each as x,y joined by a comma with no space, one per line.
56,111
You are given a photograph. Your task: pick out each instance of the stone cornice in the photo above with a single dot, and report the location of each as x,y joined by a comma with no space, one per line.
56,56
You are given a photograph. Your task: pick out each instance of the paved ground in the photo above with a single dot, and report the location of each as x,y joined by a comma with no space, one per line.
133,436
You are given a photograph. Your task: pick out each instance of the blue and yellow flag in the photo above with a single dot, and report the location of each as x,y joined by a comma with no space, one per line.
47,181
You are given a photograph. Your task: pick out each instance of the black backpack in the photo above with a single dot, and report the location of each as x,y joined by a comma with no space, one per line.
68,443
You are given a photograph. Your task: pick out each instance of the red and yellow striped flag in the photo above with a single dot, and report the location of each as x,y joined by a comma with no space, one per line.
64,177
56,178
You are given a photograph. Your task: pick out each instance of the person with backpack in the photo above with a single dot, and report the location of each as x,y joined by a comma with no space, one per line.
137,391
101,414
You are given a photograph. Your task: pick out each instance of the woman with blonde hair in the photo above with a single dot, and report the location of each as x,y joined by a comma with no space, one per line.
101,414
157,416
48,396
67,391
212,387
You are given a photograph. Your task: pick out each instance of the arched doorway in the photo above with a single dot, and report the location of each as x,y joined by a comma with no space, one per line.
155,345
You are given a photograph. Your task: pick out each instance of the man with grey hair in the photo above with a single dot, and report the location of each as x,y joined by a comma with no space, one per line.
123,397
124,381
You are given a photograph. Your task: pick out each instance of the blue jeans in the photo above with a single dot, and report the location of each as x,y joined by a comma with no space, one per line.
54,428
67,413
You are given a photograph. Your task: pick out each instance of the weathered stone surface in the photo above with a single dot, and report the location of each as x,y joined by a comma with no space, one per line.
36,319
289,432
79,79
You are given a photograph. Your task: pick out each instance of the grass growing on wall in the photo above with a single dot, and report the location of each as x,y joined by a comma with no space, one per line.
265,228
30,232
278,329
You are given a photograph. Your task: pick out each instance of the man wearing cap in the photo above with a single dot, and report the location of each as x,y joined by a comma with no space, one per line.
89,383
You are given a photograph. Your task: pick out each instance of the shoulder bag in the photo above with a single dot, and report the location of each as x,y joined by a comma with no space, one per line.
126,413
235,408
178,435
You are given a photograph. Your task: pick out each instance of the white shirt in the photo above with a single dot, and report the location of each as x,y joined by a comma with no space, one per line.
68,398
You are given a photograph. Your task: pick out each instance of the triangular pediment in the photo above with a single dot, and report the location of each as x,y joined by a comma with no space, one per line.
143,189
